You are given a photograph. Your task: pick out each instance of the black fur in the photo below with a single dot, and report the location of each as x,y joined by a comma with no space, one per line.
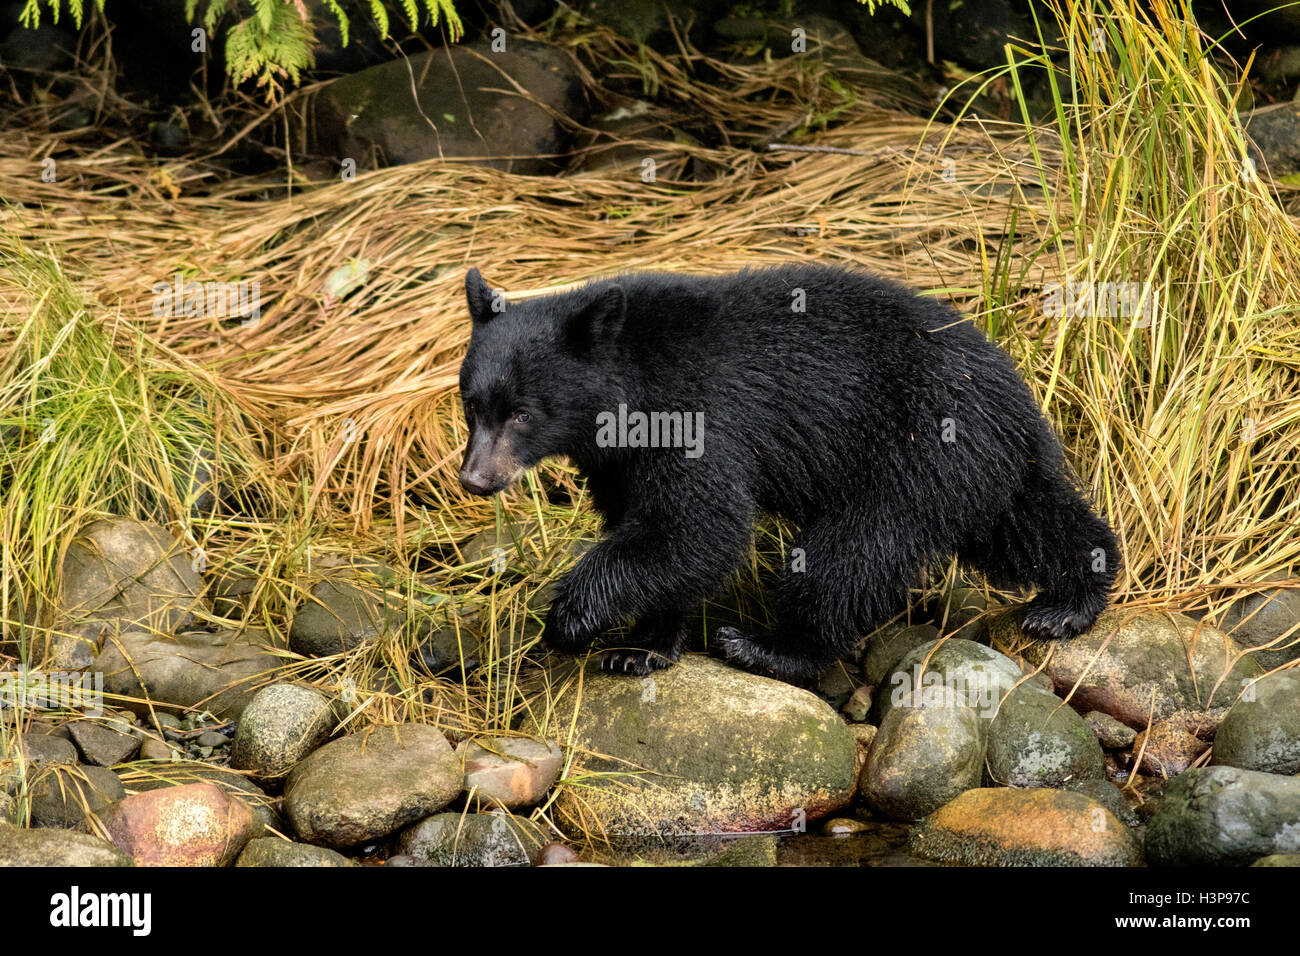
834,417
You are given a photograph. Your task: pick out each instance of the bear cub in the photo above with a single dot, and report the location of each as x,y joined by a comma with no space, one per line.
882,424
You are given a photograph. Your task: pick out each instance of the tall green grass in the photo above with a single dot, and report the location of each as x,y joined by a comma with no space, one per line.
1185,416
94,419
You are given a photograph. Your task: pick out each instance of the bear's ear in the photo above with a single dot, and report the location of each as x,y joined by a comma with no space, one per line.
479,295
598,320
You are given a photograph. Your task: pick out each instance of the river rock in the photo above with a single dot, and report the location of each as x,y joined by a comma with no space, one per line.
1262,729
979,675
75,644
151,748
102,746
924,756
836,684
864,735
858,707
131,574
1222,816
1128,658
347,608
195,825
479,116
508,545
1168,748
41,749
371,783
20,847
63,797
1112,734
1038,740
215,671
272,851
280,726
1262,618
1039,827
887,646
556,854
511,772
474,839
232,593
447,643
701,747
959,612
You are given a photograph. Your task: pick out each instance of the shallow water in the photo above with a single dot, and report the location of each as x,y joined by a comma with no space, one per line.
881,843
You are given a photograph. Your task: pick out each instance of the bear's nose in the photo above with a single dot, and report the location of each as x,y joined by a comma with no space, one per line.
475,483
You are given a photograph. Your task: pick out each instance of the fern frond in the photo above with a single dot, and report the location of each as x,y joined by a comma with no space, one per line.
284,49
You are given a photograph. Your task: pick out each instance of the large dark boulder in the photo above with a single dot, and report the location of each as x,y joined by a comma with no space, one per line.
468,102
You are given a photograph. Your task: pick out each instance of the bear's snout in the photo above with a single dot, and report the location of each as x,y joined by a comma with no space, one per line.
476,483
489,463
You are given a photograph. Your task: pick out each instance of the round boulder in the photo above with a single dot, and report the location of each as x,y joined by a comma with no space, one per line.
923,757
1262,729
198,824
1037,740
371,783
281,725
700,747
1041,827
1222,816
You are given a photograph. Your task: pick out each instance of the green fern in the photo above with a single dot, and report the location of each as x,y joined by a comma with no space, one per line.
272,44
270,40
30,16
873,5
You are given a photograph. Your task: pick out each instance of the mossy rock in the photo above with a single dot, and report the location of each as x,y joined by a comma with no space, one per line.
1133,660
1001,826
1222,816
1038,740
1262,730
698,748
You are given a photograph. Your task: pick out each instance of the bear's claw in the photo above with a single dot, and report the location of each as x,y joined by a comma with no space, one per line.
633,661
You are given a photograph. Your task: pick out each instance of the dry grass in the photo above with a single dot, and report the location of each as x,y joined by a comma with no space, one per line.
334,409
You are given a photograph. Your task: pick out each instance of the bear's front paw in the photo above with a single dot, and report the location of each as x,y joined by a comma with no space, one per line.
566,630
634,661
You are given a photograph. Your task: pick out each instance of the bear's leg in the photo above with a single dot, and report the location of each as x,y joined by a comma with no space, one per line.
663,558
1056,543
656,642
847,573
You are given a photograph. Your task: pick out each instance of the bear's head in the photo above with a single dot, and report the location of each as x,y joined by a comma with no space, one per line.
536,372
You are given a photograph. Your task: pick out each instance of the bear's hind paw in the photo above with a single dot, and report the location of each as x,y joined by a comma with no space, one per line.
749,653
736,647
1053,622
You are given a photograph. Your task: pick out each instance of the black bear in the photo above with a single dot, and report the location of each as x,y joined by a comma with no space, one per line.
882,424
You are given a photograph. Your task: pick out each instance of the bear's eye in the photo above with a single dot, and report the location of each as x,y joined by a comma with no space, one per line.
522,417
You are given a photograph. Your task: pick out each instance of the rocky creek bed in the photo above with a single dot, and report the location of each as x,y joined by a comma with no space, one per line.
1153,739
